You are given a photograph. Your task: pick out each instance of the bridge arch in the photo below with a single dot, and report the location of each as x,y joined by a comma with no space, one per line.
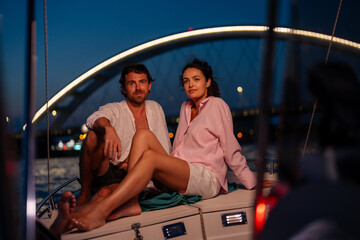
83,86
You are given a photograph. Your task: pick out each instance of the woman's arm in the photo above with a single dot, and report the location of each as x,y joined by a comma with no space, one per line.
232,150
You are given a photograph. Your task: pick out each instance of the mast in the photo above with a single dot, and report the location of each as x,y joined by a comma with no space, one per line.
263,124
8,168
28,144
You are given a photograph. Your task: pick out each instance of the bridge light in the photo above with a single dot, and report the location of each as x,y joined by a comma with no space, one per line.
54,113
190,29
239,89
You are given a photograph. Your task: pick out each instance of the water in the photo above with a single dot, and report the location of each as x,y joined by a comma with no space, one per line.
61,170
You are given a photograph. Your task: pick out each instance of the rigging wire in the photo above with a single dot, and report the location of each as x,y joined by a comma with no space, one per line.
326,60
47,105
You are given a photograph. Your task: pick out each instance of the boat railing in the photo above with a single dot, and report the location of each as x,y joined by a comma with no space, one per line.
39,213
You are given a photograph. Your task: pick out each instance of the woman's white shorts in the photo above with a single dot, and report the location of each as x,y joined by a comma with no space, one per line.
202,181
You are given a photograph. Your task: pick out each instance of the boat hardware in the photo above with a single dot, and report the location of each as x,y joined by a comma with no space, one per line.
236,218
174,230
136,227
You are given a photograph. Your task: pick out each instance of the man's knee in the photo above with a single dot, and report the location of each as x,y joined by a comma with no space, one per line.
92,141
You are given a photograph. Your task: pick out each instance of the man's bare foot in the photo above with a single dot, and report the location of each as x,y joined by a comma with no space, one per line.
130,208
66,206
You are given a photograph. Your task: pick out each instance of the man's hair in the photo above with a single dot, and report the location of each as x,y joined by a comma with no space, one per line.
136,68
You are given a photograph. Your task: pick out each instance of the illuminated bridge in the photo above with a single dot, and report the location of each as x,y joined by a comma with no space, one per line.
234,52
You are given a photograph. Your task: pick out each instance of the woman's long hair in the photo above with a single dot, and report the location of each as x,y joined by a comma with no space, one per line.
204,67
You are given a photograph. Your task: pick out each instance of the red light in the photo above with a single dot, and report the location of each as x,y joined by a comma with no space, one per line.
260,215
190,29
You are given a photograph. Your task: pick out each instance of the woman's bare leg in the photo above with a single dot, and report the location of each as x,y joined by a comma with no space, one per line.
131,207
103,193
172,172
143,140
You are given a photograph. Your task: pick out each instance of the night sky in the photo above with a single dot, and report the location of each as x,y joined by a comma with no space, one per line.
82,34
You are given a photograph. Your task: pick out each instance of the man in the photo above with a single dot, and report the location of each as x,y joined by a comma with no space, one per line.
103,159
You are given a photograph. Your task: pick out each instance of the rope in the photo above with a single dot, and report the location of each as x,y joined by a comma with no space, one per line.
326,60
203,231
47,106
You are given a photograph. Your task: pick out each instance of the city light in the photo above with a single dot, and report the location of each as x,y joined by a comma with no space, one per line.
82,136
68,145
84,128
239,89
77,147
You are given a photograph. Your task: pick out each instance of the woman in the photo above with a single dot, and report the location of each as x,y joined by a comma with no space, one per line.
203,147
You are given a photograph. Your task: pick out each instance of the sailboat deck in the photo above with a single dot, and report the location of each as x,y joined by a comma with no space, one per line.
201,220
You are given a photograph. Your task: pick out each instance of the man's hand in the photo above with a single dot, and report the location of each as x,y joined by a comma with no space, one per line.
112,147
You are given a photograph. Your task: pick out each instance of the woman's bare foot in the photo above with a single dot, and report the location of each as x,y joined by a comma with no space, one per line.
94,219
130,208
66,206
82,210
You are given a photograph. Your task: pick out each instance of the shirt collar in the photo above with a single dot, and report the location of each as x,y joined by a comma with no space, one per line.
190,103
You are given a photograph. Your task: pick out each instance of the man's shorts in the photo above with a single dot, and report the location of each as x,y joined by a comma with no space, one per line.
202,181
113,175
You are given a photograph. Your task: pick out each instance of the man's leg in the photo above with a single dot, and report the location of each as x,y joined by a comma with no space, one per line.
92,163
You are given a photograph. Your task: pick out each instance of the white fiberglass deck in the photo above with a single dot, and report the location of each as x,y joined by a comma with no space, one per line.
202,220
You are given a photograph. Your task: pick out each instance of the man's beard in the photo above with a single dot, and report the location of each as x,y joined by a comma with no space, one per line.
138,100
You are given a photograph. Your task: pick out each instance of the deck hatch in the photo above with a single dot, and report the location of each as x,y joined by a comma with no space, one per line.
174,230
235,218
